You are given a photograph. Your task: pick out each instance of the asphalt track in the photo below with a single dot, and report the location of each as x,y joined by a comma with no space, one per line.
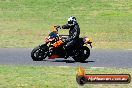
98,58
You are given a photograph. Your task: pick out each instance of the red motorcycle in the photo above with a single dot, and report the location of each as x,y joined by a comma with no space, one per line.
79,52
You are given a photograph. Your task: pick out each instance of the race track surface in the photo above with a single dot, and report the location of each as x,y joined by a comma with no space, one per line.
98,58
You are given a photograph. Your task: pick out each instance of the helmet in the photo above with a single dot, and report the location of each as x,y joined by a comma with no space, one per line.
72,20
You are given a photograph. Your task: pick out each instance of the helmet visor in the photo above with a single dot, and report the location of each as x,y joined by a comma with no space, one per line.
70,22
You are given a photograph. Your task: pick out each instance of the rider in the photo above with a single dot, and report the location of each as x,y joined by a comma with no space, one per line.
74,33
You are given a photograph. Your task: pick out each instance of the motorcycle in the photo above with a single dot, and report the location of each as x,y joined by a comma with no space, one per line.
54,42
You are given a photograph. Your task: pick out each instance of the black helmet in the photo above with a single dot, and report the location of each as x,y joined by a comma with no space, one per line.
72,20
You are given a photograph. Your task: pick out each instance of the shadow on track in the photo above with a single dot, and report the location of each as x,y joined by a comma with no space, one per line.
68,61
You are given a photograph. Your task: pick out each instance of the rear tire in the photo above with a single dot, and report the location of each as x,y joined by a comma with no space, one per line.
81,54
38,54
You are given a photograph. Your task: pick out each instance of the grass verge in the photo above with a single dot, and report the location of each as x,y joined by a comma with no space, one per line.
14,76
25,23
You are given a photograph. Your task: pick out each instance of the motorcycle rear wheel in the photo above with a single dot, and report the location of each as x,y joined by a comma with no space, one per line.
81,54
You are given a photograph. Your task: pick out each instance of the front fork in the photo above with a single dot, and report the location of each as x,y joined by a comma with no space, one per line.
44,48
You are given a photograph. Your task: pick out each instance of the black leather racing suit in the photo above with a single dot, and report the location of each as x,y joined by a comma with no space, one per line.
74,33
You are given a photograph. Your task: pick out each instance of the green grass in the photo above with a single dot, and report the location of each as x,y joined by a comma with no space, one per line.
14,76
24,23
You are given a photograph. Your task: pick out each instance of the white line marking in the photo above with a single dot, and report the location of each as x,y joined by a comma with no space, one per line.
128,49
97,67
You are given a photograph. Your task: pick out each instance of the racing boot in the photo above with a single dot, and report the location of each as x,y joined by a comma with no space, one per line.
66,52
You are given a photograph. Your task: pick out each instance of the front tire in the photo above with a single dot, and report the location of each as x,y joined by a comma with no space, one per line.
38,54
81,54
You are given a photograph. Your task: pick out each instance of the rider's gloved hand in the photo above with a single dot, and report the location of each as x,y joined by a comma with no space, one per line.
64,40
58,26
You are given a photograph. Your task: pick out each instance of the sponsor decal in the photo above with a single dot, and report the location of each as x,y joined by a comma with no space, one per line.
83,78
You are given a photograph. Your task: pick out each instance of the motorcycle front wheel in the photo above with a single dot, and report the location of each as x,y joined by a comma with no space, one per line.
38,54
81,54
